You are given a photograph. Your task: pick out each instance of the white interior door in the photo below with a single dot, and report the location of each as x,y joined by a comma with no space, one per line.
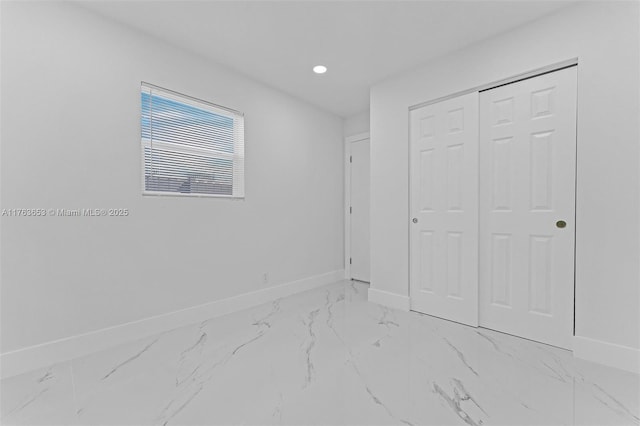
444,209
360,259
527,185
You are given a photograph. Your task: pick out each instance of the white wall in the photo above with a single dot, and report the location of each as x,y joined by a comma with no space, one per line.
71,139
356,124
605,38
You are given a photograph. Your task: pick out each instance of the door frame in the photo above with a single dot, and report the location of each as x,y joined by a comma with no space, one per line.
522,76
347,198
488,86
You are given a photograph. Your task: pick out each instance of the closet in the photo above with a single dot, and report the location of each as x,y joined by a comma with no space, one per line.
492,203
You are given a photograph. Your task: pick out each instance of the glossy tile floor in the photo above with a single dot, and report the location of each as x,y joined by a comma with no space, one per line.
325,357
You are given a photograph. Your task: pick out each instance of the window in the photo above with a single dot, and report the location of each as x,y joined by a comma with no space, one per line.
190,147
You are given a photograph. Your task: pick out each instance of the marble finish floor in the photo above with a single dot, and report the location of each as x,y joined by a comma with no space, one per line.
325,357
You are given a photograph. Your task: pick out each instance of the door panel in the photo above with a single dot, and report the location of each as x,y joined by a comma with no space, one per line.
360,188
527,183
444,201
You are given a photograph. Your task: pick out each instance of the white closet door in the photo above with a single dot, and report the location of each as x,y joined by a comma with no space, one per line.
360,190
527,191
444,209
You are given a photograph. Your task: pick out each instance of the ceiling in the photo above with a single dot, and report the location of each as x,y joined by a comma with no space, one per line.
361,42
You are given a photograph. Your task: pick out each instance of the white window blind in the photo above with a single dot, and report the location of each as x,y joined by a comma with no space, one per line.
189,146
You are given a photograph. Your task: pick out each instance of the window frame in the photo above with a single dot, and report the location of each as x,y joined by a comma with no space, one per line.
238,178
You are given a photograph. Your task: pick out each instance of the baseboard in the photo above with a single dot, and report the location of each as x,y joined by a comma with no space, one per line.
46,354
611,354
391,300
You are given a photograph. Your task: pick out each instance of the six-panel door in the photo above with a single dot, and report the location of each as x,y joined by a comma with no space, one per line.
444,209
509,267
527,207
360,190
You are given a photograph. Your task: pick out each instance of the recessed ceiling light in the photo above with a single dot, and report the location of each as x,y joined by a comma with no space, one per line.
319,69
